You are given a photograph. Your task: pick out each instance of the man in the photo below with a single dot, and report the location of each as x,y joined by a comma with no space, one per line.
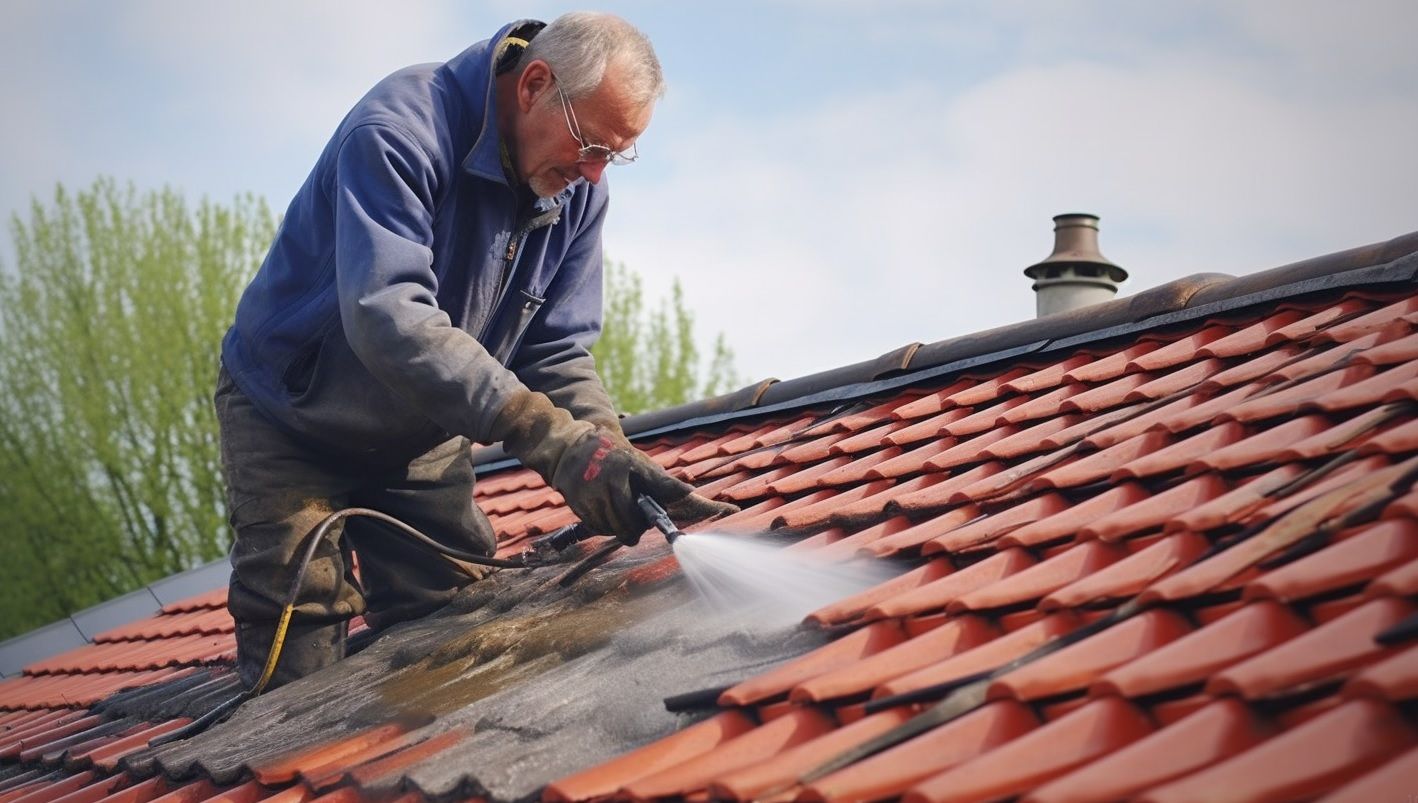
436,279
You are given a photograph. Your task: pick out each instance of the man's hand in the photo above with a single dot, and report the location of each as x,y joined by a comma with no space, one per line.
601,479
598,473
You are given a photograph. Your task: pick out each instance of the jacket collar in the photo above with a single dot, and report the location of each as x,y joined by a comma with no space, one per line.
474,73
474,70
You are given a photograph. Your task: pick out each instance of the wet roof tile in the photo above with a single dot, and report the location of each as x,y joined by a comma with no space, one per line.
321,756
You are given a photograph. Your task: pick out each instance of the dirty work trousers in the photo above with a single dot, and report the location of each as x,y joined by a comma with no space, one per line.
278,488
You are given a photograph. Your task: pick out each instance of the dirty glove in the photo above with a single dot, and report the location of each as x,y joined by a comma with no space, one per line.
597,472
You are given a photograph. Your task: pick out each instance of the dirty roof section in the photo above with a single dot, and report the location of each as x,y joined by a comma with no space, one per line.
1160,551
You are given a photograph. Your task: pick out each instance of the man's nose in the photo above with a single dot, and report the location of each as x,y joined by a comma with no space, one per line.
591,171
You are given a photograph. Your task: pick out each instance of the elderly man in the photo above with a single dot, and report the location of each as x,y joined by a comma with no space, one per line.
436,279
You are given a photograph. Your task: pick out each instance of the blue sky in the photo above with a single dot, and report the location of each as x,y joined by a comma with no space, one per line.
829,181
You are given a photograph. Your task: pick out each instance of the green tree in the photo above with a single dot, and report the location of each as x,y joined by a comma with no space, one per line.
110,326
647,357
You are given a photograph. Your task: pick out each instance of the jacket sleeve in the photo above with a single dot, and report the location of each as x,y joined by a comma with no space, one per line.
383,195
555,355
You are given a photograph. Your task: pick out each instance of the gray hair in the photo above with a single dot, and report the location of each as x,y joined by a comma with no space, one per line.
580,44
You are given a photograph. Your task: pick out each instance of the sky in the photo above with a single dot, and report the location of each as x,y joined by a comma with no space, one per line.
828,180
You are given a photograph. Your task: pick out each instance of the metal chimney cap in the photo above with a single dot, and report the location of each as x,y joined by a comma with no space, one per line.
1076,246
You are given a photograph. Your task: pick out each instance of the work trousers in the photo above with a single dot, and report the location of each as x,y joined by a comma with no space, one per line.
278,488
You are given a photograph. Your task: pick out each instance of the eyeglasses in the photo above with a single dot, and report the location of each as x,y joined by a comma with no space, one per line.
594,154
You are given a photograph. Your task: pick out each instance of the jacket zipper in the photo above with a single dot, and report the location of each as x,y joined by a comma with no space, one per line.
509,264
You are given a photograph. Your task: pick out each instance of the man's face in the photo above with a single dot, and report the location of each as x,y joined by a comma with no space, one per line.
546,154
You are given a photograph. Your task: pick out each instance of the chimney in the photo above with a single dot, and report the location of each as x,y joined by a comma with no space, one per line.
1075,275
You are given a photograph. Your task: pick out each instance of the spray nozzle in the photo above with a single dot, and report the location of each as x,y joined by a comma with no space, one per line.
658,518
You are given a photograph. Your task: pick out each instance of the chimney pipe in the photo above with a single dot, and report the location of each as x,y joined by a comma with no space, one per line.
1075,275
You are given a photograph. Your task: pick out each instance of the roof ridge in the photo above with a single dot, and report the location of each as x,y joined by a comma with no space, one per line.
1198,295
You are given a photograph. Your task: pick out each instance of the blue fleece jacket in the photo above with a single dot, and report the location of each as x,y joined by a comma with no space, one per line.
411,289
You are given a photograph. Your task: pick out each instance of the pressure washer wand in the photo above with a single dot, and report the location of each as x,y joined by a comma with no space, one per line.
658,518
544,549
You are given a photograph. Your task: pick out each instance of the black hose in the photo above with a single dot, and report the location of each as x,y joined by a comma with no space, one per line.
602,554
203,722
317,534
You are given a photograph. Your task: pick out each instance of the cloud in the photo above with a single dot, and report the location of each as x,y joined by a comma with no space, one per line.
872,179
879,219
216,99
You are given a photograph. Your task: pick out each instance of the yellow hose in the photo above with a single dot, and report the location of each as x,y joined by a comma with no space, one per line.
275,655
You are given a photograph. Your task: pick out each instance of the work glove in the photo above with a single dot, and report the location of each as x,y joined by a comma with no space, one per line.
597,471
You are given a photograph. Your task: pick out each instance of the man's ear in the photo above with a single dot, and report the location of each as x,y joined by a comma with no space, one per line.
534,82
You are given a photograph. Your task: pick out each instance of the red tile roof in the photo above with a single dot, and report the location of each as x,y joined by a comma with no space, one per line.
1174,562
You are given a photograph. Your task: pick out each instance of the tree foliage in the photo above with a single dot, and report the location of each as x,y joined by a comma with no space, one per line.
647,356
110,325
